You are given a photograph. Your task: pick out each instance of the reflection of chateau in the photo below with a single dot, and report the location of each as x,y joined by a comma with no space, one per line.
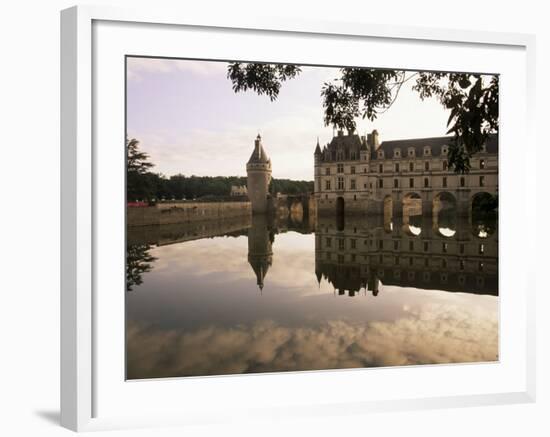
451,258
361,174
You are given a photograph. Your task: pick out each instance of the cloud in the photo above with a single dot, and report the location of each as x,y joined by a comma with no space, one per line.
137,68
436,333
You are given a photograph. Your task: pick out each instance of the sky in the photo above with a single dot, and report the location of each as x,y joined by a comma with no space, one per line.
187,117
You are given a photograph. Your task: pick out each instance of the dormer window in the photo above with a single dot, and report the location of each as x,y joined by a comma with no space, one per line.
380,154
396,153
427,151
411,152
445,150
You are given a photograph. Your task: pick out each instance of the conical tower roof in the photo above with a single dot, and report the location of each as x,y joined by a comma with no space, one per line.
258,154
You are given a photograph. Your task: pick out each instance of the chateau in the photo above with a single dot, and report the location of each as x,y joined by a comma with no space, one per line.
362,174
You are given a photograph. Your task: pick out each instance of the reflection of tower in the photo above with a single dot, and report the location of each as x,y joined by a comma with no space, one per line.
260,253
258,170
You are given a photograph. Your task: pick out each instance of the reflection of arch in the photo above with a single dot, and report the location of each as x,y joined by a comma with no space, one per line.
388,213
444,212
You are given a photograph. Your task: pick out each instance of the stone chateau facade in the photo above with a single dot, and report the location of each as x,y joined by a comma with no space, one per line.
361,174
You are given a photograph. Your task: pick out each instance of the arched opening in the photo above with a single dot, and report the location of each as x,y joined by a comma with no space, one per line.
388,214
484,214
340,211
444,214
412,214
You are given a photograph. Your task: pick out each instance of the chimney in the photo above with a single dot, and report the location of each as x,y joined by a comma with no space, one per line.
375,140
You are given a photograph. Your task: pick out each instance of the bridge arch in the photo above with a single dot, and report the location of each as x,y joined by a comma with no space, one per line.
444,214
388,213
412,213
484,207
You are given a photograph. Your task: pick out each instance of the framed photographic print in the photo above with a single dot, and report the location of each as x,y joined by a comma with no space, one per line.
274,219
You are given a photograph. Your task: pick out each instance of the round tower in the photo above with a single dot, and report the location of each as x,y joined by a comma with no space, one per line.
258,171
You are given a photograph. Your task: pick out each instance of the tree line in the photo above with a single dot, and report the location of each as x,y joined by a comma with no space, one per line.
144,185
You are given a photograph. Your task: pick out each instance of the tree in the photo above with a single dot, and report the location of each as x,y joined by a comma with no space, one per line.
139,181
368,92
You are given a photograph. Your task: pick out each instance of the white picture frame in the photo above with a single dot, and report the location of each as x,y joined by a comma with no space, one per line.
81,372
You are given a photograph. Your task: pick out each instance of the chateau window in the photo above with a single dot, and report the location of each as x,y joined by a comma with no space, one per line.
444,150
364,185
480,266
396,260
364,169
426,183
427,151
444,247
352,184
327,185
427,166
328,241
340,168
425,246
380,183
380,154
396,153
445,165
411,245
334,156
482,164
352,156
353,243
444,263
411,166
352,169
461,264
396,183
380,168
340,183
341,243
444,182
426,264
462,181
397,167
462,248
482,181
481,249
411,152
411,261
355,197
381,244
396,245
411,183
327,171
371,185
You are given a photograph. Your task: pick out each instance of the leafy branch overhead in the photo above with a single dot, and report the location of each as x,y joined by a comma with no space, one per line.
472,99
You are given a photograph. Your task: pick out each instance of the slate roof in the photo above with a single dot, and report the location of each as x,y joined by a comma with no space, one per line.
258,154
436,144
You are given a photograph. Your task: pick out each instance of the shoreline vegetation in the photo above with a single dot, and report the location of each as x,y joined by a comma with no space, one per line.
143,185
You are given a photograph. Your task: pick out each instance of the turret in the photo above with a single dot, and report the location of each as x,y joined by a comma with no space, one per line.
258,170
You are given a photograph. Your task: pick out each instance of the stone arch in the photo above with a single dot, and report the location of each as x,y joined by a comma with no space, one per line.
444,213
484,209
412,213
388,213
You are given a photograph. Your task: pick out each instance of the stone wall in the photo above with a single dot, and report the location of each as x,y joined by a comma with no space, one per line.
185,212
